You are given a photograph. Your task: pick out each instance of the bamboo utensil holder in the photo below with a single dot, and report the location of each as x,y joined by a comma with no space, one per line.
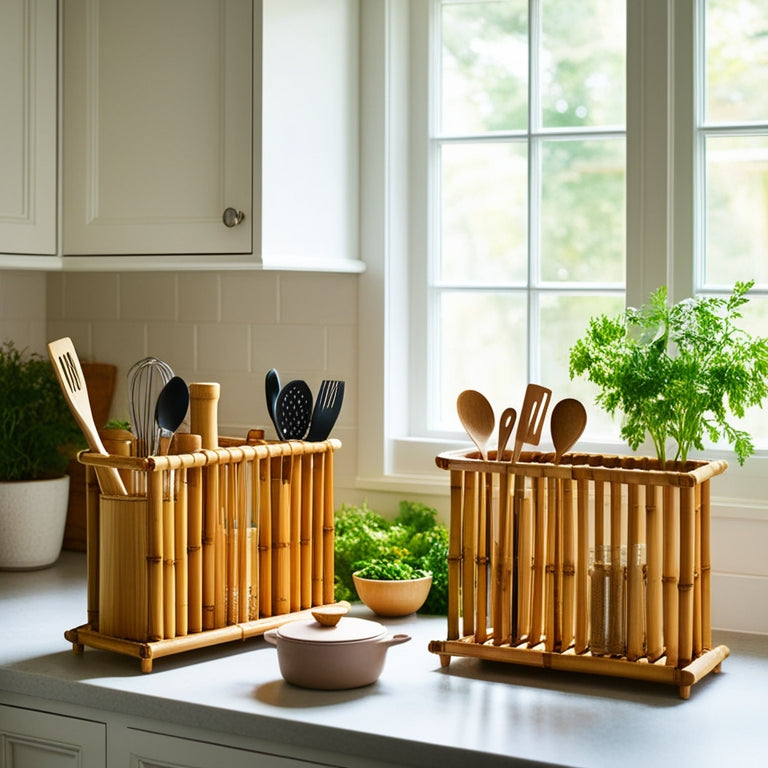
220,544
599,564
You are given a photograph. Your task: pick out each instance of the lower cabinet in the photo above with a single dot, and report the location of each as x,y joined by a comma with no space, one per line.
33,739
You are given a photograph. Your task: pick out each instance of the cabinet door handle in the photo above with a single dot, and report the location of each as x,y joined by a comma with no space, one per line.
232,217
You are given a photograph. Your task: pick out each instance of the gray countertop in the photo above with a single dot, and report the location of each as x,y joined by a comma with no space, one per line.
417,713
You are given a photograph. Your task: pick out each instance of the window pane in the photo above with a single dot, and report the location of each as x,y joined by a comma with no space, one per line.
564,319
736,60
736,209
484,66
583,62
484,213
583,211
483,346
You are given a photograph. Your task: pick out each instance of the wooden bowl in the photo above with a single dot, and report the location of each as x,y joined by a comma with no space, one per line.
390,598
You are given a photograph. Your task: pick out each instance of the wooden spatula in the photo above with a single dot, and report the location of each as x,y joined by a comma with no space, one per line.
532,415
70,375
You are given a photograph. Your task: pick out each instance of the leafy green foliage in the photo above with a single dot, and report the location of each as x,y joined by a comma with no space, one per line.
38,433
676,372
390,570
413,542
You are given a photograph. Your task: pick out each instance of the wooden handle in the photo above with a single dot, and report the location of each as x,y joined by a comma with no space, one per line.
203,412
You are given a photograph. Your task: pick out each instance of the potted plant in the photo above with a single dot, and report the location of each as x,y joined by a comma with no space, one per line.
395,566
676,372
38,435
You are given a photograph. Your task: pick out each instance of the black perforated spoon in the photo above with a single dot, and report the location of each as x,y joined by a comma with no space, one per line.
293,410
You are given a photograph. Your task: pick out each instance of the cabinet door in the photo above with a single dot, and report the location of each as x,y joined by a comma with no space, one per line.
28,126
31,739
157,104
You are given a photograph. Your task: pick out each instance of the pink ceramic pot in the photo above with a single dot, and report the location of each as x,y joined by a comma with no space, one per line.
348,655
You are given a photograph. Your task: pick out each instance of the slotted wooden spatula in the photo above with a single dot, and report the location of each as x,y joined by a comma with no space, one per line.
70,375
532,415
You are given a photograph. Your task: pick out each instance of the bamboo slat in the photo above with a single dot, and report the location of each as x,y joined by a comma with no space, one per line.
634,604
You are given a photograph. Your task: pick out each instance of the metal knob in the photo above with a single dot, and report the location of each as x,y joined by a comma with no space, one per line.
232,217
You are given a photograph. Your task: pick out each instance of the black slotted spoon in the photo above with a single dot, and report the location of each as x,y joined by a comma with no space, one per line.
293,410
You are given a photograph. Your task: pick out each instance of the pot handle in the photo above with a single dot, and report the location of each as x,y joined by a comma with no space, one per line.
271,636
394,639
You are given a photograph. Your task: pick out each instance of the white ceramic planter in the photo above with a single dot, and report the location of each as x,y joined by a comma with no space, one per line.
32,518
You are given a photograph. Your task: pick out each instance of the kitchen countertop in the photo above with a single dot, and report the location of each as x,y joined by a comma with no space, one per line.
417,713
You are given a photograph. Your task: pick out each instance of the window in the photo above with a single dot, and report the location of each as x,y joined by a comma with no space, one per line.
585,210
526,163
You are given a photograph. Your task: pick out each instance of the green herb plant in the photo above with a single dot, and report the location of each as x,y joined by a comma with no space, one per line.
676,372
38,433
414,542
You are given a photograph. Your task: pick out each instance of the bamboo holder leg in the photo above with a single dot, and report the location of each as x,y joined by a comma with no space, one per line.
243,550
697,606
253,542
317,528
685,587
670,578
468,554
455,553
328,511
654,551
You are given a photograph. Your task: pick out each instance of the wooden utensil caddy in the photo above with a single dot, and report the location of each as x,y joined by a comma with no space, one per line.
528,581
216,545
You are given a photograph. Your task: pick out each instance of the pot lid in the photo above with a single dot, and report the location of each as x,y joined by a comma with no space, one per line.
348,630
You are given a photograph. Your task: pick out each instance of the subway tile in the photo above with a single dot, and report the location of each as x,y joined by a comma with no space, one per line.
54,296
147,296
91,296
198,297
22,295
223,347
341,350
77,330
249,297
174,343
289,348
314,298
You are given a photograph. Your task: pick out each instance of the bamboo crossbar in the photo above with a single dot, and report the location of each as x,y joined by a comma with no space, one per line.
232,536
600,558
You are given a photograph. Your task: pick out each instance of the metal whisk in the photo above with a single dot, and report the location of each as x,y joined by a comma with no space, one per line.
146,379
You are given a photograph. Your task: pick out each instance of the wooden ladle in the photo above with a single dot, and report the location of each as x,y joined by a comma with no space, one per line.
567,422
476,415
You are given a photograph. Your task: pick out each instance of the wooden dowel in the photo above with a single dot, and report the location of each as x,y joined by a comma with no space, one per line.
305,532
253,542
294,490
281,528
169,565
706,568
318,476
635,592
328,518
156,630
616,613
685,585
502,568
181,526
697,596
569,563
265,536
598,600
525,575
517,607
671,576
468,553
243,548
481,601
581,634
551,594
539,562
93,569
455,552
654,559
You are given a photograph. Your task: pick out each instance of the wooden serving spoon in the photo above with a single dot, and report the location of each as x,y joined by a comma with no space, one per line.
476,415
567,422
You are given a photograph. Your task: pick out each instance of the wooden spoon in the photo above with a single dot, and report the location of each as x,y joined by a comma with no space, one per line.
476,415
567,423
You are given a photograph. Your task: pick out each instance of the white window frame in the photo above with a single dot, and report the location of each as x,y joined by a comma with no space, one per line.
394,227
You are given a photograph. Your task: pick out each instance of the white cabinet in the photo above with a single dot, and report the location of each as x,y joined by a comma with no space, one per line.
157,126
32,739
28,126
